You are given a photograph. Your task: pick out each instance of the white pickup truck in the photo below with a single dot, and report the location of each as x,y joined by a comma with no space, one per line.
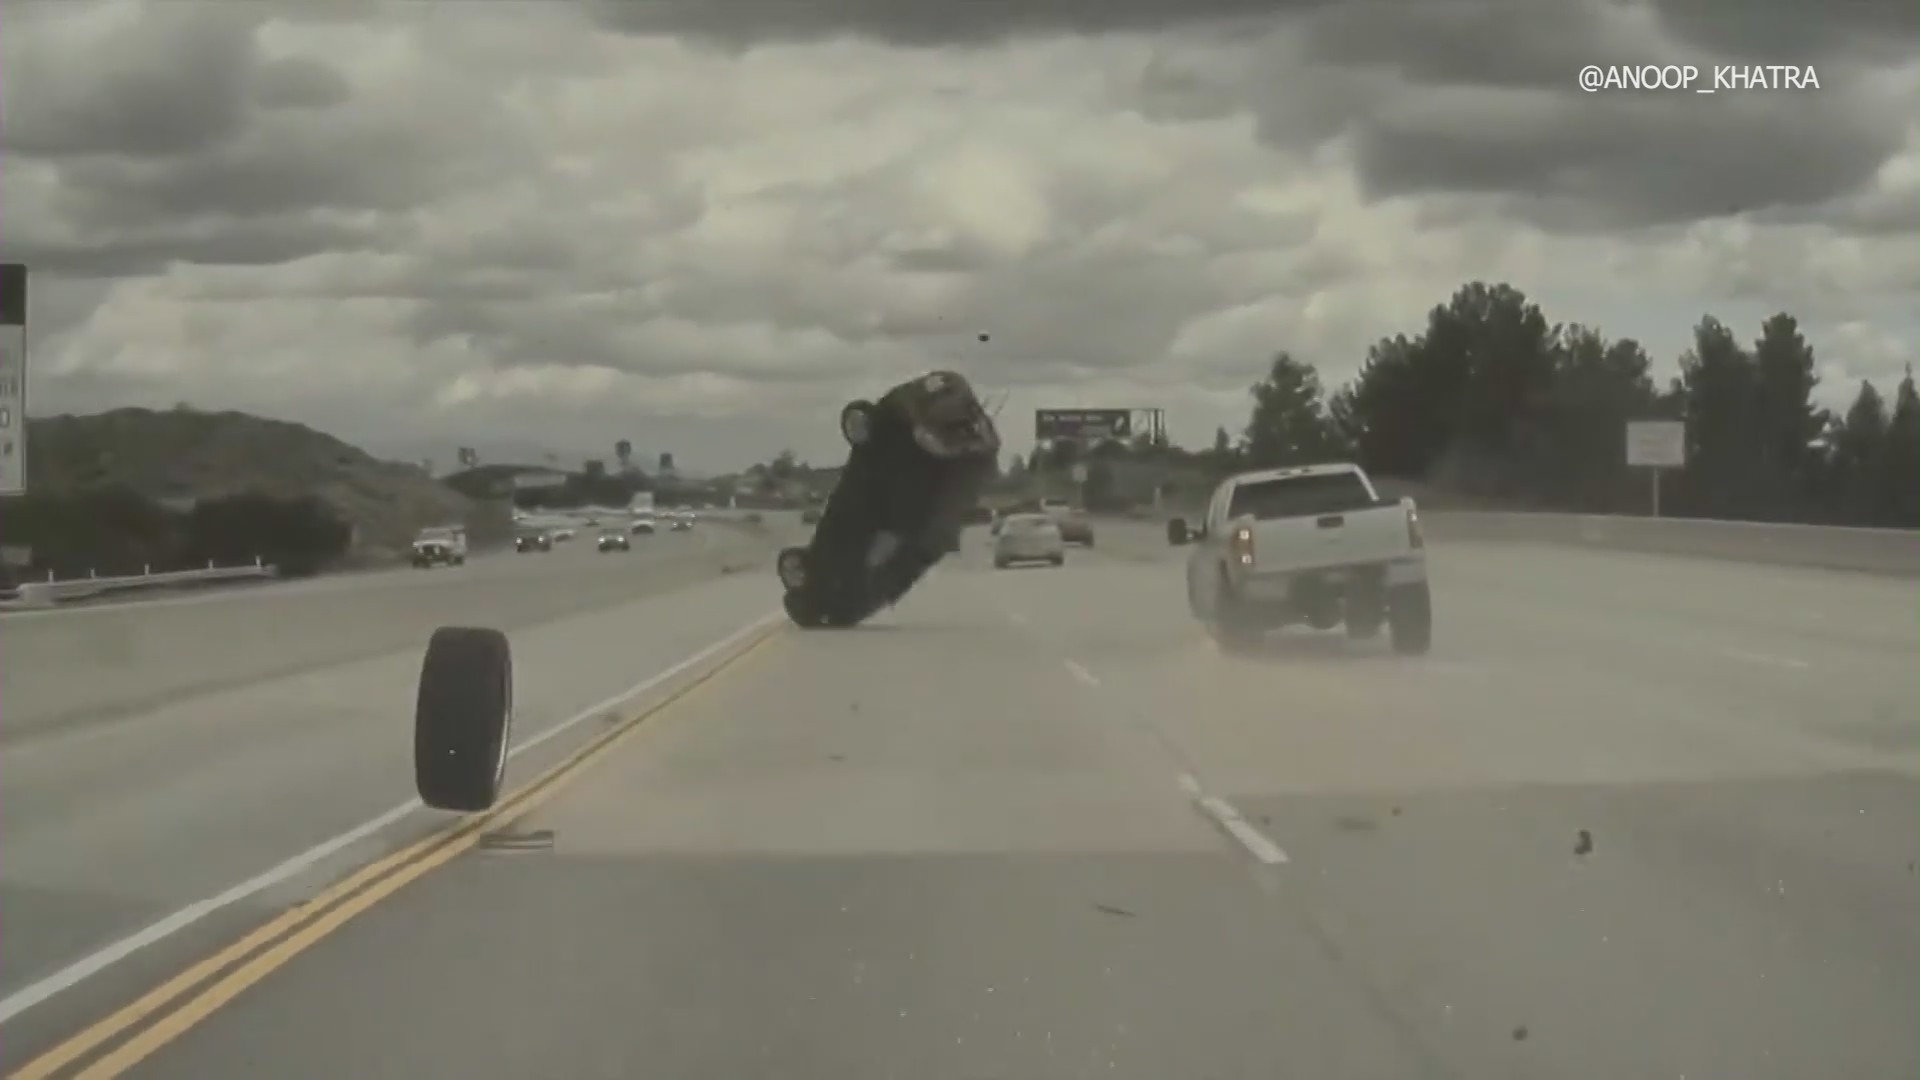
1314,545
440,546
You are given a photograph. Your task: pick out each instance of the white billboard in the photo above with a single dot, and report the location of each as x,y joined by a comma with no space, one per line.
539,480
1660,444
13,410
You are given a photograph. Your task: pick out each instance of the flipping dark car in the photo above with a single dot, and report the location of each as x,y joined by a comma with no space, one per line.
921,456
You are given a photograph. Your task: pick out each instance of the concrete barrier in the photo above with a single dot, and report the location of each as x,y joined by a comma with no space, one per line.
55,591
75,663
1894,552
1879,551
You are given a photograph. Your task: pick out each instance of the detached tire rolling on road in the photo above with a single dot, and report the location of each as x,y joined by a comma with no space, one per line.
463,719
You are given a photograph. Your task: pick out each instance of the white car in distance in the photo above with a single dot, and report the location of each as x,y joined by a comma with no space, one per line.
1029,538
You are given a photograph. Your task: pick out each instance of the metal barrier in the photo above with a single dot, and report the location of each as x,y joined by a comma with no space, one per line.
1893,552
54,591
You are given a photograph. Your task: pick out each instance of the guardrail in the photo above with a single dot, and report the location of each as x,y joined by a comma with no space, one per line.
57,591
1893,552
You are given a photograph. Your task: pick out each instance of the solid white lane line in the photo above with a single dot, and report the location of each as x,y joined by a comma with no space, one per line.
1080,672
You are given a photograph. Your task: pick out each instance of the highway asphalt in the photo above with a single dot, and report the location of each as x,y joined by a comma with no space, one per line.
156,754
1635,817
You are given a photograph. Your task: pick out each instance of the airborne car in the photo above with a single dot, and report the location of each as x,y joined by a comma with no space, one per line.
920,457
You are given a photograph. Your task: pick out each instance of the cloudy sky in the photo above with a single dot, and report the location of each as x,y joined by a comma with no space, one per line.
703,224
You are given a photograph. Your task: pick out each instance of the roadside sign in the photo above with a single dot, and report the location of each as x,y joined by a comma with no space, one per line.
1082,424
13,379
1661,444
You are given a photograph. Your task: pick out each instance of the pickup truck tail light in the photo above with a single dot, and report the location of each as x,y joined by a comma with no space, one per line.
1240,546
1415,538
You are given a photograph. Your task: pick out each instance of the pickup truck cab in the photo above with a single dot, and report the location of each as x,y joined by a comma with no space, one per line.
1315,545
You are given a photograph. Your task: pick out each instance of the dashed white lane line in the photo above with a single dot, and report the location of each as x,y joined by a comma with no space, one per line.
1220,810
1016,618
1229,819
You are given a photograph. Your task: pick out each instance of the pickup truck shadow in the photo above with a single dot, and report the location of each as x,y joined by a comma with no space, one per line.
1312,647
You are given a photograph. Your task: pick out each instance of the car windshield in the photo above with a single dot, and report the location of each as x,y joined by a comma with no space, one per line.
1558,719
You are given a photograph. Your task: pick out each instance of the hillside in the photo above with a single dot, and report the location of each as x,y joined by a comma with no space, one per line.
182,454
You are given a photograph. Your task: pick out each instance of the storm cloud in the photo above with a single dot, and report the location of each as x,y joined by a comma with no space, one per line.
702,225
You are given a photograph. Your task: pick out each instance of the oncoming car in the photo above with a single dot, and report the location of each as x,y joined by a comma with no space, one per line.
614,540
532,541
1029,538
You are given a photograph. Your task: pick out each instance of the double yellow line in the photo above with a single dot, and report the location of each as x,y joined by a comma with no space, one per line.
270,947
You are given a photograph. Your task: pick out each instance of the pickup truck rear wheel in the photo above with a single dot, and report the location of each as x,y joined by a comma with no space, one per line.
1410,619
1233,629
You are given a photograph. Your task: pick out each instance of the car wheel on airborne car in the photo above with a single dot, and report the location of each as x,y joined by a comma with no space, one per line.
856,422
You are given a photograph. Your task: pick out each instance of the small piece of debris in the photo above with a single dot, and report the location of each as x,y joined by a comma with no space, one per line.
1109,909
1396,811
511,841
1520,1033
836,757
1583,845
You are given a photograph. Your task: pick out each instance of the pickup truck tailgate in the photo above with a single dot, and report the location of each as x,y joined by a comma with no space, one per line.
1342,538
